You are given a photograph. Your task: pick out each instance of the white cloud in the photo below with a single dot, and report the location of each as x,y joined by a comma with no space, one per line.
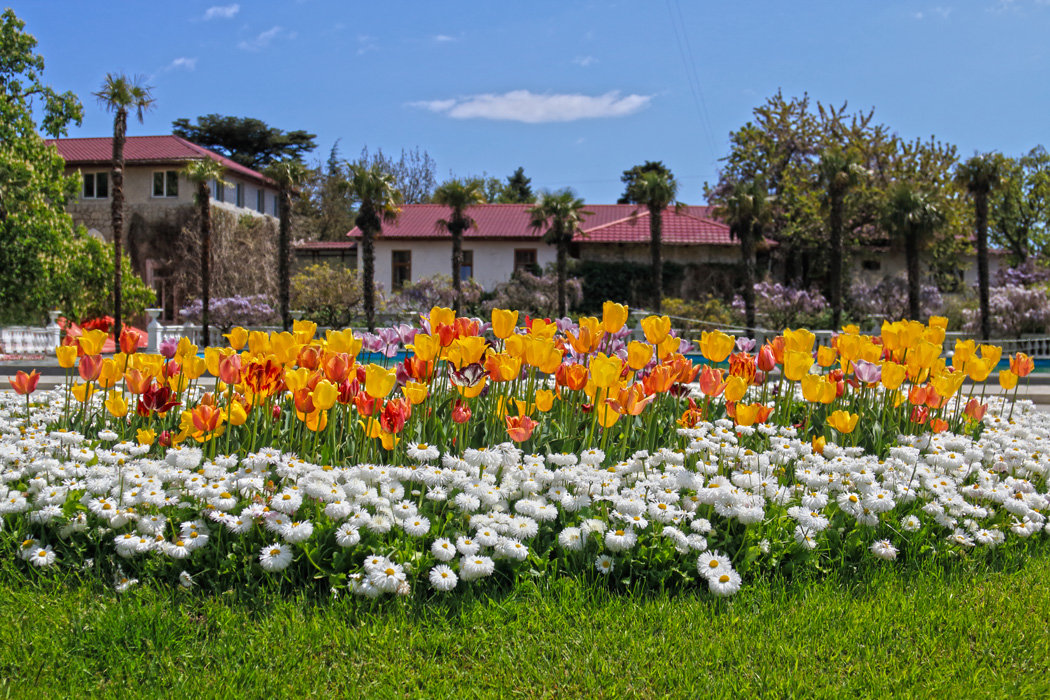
444,38
525,106
262,40
366,43
222,11
584,61
183,62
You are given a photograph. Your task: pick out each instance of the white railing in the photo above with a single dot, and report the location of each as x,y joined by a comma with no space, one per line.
27,340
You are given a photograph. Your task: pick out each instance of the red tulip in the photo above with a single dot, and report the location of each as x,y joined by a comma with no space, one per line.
23,383
460,412
520,428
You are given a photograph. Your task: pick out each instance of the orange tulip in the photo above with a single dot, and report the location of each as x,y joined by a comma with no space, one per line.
711,381
24,384
658,380
588,338
975,409
90,367
130,338
572,377
519,428
206,418
631,401
337,367
1021,364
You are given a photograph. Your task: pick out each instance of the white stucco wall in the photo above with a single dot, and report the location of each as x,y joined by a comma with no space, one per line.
894,263
639,253
493,260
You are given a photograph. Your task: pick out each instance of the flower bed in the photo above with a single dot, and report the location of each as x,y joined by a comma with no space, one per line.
496,451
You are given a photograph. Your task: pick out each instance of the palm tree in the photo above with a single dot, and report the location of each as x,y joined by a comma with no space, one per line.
379,200
561,214
289,175
839,173
458,195
119,94
202,173
656,189
979,176
747,209
909,215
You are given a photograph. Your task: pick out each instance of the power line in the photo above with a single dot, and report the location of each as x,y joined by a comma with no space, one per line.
685,50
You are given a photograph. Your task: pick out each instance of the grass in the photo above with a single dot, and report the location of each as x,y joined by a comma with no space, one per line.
967,629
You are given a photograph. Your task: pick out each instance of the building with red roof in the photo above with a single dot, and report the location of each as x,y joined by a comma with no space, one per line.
159,199
504,241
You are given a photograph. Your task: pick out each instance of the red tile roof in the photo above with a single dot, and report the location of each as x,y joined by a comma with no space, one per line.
147,149
608,223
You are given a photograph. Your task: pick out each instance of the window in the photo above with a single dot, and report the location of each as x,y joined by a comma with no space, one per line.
166,183
466,269
276,211
96,186
401,268
525,259
240,194
260,200
219,192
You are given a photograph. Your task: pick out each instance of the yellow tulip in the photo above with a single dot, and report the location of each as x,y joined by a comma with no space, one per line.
606,414
440,316
939,322
542,329
605,370
656,328
826,356
891,335
146,437
869,350
116,405
991,354
503,323
111,373
296,379
892,375
815,388
467,350
924,353
747,413
544,400
735,388
415,392
304,331
1007,379
212,357
258,343
471,392
342,342
843,421
978,369
801,340
237,337
194,367
948,384
67,356
388,440
716,345
236,414
316,421
185,348
91,342
911,332
284,348
426,347
516,345
964,350
614,316
638,354
324,395
82,392
796,364
934,335
849,348
379,381
668,345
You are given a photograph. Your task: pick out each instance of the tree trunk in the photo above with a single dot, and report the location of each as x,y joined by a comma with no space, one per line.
835,230
563,270
456,229
284,233
911,252
656,249
204,201
981,204
368,273
747,252
120,127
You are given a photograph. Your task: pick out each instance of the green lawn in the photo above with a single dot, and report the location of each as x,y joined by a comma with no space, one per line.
966,630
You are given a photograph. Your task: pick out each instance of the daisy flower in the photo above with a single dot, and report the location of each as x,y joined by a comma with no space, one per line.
725,584
713,564
884,549
275,557
443,578
604,564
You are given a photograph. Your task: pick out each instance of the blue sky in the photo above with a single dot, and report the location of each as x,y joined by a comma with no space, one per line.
575,92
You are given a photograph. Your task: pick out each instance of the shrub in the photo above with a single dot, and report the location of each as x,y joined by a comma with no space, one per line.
779,306
428,292
535,295
329,296
1014,310
227,312
889,298
710,310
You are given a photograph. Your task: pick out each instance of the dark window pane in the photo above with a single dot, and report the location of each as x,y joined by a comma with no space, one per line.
158,184
102,185
172,189
89,185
